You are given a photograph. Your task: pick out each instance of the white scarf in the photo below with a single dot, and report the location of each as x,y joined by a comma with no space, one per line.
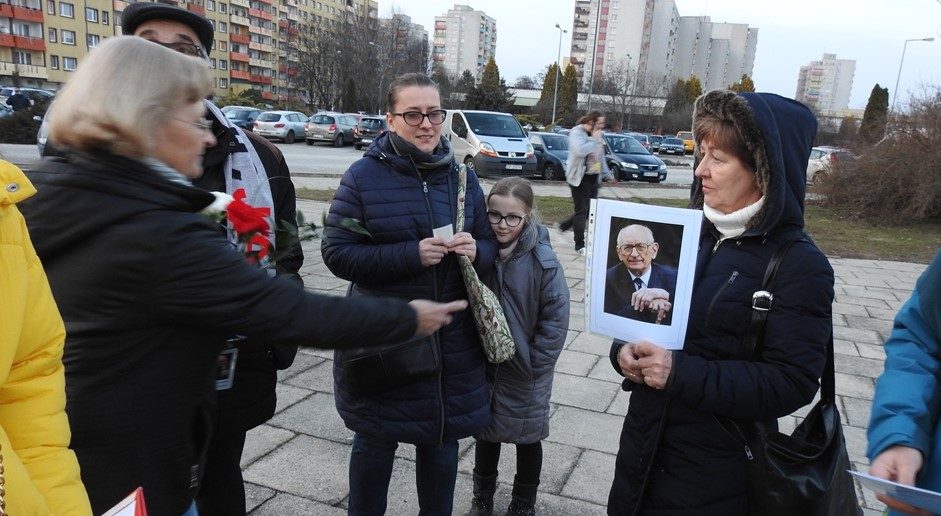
731,225
250,175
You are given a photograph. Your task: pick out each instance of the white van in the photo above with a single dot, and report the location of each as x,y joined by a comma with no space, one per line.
490,143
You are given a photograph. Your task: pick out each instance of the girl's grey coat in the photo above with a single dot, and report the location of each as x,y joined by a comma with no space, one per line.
535,298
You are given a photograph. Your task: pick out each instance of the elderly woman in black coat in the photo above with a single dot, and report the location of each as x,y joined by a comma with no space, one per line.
674,456
147,285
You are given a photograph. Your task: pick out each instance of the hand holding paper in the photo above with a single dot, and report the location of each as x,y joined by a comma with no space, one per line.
463,244
431,251
899,464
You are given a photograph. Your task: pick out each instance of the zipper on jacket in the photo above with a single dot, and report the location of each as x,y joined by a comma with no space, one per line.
716,247
712,303
424,186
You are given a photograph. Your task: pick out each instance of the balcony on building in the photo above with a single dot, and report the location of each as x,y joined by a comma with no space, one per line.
27,43
6,40
26,14
584,11
240,3
239,20
580,36
258,13
260,79
23,70
239,56
240,75
243,39
196,7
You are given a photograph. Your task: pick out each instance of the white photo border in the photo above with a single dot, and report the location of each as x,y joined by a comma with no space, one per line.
599,230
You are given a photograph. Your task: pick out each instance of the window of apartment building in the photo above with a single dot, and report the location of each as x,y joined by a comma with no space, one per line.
54,62
222,8
223,46
53,35
51,7
212,62
91,15
223,83
67,10
92,40
68,37
223,26
69,63
211,5
223,64
104,17
23,58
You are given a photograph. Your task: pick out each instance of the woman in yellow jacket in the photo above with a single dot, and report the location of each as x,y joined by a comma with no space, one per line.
40,474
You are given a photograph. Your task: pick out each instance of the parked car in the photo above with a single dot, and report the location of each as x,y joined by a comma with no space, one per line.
35,95
655,140
490,143
642,138
552,154
328,126
824,158
628,159
242,116
368,129
688,142
283,125
671,145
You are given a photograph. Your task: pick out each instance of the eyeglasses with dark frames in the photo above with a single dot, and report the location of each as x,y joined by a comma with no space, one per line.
511,220
415,118
629,248
185,48
203,124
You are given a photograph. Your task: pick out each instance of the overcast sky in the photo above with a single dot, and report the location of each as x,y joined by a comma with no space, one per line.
790,34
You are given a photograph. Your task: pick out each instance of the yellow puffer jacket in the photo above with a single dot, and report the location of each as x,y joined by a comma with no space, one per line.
40,472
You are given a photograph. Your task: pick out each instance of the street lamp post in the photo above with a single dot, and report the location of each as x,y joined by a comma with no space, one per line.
379,63
558,66
895,94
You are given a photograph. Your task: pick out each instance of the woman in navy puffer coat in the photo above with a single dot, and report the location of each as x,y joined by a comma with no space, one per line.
399,192
674,457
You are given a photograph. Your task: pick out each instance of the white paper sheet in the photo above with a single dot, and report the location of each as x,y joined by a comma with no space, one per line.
914,496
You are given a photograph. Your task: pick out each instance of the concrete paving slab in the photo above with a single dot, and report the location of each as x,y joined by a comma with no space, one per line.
592,477
317,378
316,416
585,429
307,467
581,392
261,440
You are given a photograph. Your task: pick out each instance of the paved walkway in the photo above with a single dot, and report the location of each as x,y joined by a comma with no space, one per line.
297,463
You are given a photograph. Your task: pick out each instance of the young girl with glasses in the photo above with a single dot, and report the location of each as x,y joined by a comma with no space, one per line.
535,298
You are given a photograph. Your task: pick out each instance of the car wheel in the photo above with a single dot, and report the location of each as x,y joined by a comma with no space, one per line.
357,146
310,142
469,163
618,175
338,141
549,172
289,138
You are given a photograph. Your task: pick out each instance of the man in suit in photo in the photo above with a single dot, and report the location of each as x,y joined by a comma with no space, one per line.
637,287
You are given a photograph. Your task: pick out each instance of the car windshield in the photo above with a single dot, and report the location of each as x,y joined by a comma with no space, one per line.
625,145
488,124
238,114
269,117
556,142
371,123
672,141
656,138
322,119
685,135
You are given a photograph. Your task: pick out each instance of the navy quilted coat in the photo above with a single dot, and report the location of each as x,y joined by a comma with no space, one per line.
399,206
674,458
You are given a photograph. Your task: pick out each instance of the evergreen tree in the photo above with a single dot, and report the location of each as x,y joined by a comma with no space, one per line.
492,93
874,118
441,78
567,113
349,96
466,83
743,85
693,88
543,108
847,131
677,99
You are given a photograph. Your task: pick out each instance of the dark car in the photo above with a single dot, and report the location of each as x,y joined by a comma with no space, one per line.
642,138
242,116
671,145
628,159
552,153
655,140
368,129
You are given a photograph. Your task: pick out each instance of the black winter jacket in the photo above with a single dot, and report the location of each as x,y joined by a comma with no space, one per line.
674,458
148,289
398,207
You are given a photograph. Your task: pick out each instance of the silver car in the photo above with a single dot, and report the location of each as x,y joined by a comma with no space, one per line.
283,125
336,128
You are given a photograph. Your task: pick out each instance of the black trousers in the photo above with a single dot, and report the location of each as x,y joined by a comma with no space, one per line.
528,461
222,492
581,198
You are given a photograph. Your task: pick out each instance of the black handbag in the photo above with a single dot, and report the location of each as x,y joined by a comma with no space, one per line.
805,473
373,370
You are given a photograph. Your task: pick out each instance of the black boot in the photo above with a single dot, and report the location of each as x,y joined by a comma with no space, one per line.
482,503
524,500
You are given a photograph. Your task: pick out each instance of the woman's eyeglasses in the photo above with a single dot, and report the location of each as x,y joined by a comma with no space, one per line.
203,124
511,220
415,118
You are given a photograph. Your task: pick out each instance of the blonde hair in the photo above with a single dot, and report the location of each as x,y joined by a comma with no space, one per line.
125,88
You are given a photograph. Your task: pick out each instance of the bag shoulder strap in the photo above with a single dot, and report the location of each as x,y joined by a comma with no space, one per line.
761,304
461,193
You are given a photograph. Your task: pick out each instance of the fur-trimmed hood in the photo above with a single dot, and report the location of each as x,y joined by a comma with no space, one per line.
779,133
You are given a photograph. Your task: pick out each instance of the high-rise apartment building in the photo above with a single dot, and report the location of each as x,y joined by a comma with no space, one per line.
464,39
825,85
654,43
42,41
405,34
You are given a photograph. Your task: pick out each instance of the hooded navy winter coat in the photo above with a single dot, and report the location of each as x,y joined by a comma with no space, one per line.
674,458
398,206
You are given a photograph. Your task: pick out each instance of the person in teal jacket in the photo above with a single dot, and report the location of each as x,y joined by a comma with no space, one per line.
903,432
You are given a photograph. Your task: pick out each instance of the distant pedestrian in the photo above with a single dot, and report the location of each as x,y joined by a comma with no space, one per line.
585,170
19,101
531,285
903,431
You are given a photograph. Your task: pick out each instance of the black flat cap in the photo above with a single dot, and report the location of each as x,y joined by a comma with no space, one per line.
140,12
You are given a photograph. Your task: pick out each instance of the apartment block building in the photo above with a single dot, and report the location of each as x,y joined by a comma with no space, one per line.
825,85
42,41
464,39
655,44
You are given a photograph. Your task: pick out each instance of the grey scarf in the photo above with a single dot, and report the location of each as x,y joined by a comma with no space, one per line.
441,156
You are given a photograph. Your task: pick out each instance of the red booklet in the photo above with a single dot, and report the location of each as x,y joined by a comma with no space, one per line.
133,505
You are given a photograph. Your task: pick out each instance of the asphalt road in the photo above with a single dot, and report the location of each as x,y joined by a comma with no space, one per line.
325,160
